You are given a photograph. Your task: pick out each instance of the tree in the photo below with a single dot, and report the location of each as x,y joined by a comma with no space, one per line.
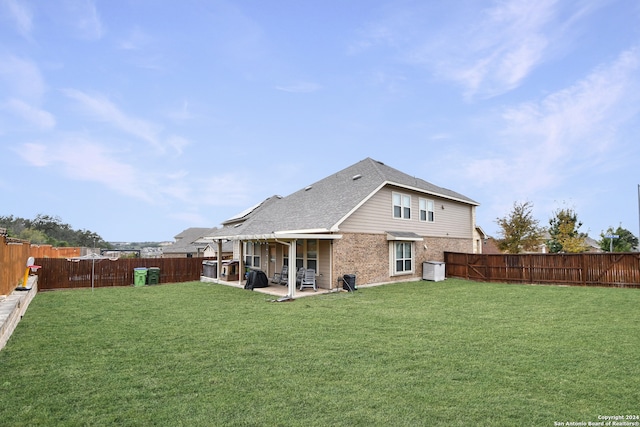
625,242
519,230
53,227
14,225
564,231
88,238
51,230
34,236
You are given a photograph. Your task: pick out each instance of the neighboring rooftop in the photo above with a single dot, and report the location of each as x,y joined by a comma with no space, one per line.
186,240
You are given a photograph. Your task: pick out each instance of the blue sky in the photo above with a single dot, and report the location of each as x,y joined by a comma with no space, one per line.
137,119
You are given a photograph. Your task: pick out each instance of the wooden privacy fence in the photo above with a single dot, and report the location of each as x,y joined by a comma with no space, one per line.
588,269
49,251
13,261
64,274
14,254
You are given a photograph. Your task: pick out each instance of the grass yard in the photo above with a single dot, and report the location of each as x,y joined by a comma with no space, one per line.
453,353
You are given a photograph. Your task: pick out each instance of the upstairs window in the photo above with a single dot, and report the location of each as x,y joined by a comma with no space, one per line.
401,206
427,212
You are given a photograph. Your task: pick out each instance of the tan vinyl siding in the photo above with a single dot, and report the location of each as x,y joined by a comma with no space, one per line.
376,216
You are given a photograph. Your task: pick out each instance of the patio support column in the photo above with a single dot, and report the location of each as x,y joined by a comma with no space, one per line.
331,265
219,260
241,263
292,268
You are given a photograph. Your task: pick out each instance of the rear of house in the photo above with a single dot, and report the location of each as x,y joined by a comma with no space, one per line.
389,237
369,220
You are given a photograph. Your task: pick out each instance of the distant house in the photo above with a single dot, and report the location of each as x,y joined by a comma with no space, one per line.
211,250
368,220
592,245
186,244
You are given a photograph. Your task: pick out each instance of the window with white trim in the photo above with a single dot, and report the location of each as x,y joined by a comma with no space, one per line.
403,257
252,254
306,254
312,254
401,206
427,213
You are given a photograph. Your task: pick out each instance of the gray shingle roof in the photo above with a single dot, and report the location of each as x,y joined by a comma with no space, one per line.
323,205
185,240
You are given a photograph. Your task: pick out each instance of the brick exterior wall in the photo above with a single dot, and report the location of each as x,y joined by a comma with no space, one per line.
367,256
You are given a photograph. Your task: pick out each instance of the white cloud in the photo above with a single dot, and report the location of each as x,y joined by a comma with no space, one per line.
440,136
85,19
392,82
104,110
82,159
136,40
485,51
177,143
300,87
567,133
21,15
142,49
227,189
22,78
375,34
498,53
181,114
40,118
35,154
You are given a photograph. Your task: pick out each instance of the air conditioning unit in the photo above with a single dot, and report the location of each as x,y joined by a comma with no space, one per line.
433,270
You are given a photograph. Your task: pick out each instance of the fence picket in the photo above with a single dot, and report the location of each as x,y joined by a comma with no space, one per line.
597,269
64,274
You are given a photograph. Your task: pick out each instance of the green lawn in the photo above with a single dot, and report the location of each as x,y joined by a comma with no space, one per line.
421,353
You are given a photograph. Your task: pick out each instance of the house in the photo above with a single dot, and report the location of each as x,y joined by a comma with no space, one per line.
186,244
490,246
368,220
591,245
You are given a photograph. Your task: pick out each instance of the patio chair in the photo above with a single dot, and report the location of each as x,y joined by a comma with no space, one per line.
309,280
299,276
282,277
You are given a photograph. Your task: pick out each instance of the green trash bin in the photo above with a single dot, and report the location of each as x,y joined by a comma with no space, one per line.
139,276
153,276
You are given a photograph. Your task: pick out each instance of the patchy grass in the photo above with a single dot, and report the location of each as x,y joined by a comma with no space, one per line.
421,353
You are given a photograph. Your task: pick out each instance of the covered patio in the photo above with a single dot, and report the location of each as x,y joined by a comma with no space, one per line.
280,254
275,290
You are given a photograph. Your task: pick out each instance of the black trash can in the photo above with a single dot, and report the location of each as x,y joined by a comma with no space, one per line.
210,269
349,282
153,276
